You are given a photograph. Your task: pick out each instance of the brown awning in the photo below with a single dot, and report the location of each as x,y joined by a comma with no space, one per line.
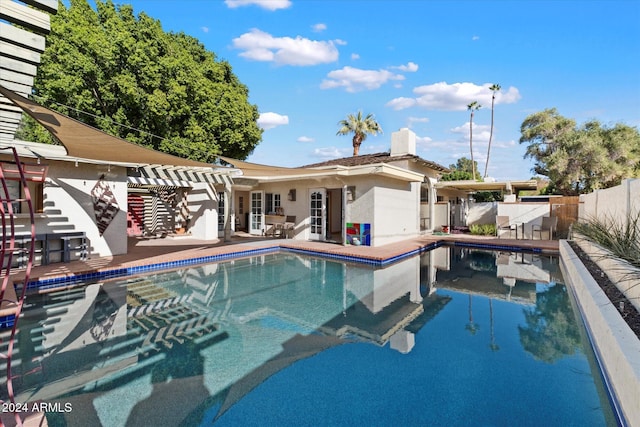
257,170
86,142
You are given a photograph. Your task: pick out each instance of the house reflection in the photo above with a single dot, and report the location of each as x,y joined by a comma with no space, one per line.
209,333
503,275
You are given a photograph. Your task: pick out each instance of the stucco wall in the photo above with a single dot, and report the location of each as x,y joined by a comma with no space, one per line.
615,203
396,213
390,206
524,214
482,213
68,206
203,202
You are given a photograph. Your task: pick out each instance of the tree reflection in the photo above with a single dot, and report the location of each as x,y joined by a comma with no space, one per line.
472,326
551,331
493,345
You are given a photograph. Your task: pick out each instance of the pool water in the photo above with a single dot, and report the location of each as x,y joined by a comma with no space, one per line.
452,337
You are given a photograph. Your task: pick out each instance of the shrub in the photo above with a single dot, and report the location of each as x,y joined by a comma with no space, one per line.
483,229
622,239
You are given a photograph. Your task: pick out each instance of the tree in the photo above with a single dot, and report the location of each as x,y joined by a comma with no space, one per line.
462,170
360,127
474,106
123,74
580,159
494,88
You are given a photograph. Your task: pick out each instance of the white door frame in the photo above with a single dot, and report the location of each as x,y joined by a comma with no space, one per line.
256,213
317,213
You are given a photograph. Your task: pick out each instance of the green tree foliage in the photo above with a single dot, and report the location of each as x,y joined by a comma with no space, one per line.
580,159
473,107
493,88
360,127
124,69
462,170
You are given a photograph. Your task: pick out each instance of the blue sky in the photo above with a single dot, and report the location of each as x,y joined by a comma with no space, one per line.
418,64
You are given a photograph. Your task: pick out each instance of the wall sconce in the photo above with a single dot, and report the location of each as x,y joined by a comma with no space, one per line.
292,195
351,193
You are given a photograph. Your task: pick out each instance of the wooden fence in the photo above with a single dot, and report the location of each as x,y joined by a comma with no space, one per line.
566,209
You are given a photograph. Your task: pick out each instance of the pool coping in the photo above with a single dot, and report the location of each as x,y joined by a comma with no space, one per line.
616,347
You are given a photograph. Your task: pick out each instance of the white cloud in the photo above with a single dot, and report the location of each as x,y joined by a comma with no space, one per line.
354,56
454,97
424,142
305,139
260,46
319,27
480,132
401,103
356,79
412,120
265,4
329,153
411,67
270,120
205,29
474,38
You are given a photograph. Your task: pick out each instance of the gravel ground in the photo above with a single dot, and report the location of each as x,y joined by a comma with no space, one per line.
626,309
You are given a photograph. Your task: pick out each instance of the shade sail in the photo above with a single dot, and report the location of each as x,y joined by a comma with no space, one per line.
257,170
86,142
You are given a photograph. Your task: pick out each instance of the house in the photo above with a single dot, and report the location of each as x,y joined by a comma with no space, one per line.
372,199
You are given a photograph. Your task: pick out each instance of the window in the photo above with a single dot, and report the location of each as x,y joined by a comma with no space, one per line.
240,205
272,203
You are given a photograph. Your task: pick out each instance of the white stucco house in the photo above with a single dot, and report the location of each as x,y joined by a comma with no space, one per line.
372,199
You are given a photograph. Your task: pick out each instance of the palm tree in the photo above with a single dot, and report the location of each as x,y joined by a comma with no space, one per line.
494,88
474,106
360,127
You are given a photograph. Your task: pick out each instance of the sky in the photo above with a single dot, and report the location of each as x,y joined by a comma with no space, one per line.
417,64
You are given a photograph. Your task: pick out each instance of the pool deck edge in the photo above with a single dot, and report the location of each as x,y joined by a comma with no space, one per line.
617,347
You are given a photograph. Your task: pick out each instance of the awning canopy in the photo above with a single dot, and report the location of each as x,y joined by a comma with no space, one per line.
176,176
473,186
251,170
83,141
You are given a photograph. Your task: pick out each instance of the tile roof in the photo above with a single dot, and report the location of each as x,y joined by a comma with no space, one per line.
367,159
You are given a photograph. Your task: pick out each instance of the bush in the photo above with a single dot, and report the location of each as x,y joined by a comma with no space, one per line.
483,229
623,240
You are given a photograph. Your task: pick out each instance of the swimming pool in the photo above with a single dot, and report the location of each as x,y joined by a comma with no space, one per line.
455,336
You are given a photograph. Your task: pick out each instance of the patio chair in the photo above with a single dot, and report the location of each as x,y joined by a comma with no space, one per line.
289,226
503,223
549,224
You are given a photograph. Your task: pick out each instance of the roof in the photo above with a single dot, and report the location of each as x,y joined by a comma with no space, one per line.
472,186
266,173
86,142
367,159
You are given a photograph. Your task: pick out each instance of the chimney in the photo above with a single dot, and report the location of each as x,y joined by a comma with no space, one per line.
403,142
